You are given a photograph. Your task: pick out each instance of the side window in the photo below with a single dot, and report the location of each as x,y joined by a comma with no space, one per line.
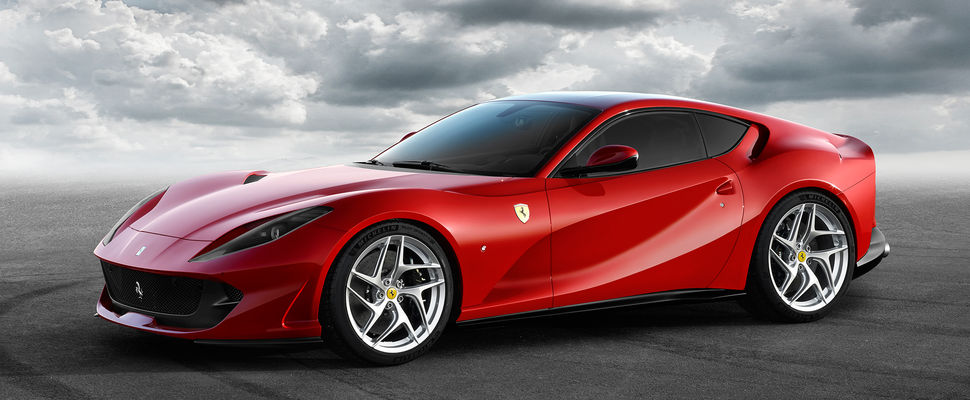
720,134
661,138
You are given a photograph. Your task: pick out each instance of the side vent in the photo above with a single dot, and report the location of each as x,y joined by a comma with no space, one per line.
253,178
759,145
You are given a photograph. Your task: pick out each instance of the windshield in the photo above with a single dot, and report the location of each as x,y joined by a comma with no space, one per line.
505,138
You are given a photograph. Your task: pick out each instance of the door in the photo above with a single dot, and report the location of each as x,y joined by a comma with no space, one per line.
670,224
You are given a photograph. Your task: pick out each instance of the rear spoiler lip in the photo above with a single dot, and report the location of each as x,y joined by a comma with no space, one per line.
852,147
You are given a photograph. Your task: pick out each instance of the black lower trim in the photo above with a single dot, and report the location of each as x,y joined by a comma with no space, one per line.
174,301
261,342
678,296
878,249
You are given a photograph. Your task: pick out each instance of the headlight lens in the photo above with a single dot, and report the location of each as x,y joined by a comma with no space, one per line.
114,229
266,232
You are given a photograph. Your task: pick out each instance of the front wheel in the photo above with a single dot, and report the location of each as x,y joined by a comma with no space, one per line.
388,296
803,260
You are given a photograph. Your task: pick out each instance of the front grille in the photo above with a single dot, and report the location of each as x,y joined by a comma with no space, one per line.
165,294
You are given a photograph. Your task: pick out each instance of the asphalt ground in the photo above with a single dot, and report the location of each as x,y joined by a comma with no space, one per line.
902,332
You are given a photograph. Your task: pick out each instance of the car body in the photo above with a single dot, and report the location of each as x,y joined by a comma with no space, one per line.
519,245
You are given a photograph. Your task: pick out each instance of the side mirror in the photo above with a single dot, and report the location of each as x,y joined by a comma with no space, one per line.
612,158
407,135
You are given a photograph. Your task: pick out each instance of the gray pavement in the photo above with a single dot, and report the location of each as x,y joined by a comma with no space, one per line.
903,331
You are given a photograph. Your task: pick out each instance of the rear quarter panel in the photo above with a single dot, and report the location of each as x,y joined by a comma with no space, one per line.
793,157
796,157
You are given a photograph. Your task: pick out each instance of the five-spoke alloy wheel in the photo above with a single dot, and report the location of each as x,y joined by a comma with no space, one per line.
803,261
388,296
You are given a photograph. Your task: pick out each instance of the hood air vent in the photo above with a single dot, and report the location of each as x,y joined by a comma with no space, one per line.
253,178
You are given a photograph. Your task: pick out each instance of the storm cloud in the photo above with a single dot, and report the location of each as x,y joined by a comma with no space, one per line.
153,86
560,13
812,50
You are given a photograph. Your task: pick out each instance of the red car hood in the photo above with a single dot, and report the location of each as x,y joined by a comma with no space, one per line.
205,208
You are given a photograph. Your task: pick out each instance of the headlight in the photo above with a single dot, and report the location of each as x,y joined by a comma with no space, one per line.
265,233
114,229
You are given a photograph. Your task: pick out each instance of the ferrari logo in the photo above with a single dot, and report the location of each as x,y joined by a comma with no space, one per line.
391,293
522,211
802,256
138,291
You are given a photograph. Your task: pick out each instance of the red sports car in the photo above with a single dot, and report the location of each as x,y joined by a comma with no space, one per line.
526,205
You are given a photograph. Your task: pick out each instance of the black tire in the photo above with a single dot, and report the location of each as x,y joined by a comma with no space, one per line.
337,329
762,298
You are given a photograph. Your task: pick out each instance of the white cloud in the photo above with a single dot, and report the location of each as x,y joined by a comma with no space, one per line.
551,76
271,24
481,41
64,40
87,85
572,41
7,77
147,65
373,26
665,46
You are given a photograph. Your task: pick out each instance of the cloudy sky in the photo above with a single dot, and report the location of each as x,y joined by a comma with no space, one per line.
183,86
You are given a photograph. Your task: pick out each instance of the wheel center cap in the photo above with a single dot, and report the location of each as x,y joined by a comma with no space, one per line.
802,256
391,293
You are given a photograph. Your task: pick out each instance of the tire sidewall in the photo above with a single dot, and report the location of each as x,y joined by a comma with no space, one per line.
337,328
759,276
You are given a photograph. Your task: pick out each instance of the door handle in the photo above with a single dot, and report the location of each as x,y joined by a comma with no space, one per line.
725,188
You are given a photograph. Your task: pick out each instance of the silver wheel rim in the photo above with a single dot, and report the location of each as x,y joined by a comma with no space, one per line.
395,294
808,257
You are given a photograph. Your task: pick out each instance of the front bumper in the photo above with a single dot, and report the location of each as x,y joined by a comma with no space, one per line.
878,249
175,301
279,284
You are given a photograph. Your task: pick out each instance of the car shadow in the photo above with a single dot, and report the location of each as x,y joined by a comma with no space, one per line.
94,346
601,324
148,352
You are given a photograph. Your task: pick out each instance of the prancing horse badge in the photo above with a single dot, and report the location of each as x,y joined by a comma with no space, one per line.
522,211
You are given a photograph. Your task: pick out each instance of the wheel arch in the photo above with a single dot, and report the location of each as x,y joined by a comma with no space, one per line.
453,262
734,273
827,190
852,215
430,226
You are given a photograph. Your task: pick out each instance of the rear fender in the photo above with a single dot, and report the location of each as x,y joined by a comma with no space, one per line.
734,274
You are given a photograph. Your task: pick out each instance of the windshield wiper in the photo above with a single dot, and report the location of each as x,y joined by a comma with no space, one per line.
428,165
371,162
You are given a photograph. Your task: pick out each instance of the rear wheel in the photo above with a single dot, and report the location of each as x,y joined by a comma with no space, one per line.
388,296
803,261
